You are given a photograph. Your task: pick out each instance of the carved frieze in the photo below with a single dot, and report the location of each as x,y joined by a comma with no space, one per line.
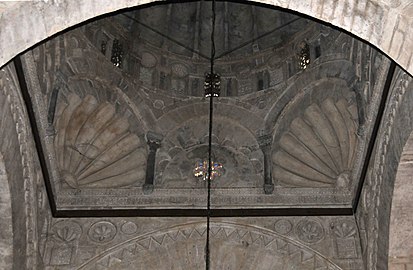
155,91
161,243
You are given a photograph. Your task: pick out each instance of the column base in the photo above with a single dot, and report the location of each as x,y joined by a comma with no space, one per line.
147,189
268,188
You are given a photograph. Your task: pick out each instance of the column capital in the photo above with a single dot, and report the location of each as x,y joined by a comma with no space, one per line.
264,140
154,140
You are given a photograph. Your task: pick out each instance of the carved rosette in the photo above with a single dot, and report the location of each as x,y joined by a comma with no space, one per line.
318,149
102,232
94,147
283,226
310,231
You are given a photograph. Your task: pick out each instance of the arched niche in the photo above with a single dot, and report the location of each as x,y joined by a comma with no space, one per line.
401,217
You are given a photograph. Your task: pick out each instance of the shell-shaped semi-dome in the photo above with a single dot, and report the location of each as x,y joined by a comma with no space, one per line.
94,147
318,149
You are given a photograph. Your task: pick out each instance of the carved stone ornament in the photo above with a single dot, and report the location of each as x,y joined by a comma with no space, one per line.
94,147
283,226
233,246
148,60
102,232
345,234
129,227
310,231
66,231
318,149
62,245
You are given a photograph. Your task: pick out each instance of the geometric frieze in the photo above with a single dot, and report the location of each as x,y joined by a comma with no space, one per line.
179,243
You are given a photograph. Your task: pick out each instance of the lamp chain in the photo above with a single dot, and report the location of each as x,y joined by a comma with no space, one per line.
211,108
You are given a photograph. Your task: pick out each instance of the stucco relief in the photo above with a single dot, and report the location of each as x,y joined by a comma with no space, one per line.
233,145
75,64
179,243
94,146
83,70
310,231
102,232
316,137
345,236
318,148
233,246
61,247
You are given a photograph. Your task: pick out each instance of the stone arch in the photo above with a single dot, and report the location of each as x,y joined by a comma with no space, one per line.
401,217
234,248
100,82
75,69
384,24
373,212
236,113
6,237
17,150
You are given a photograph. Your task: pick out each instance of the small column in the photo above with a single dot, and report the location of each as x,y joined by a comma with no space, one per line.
154,142
359,89
264,142
50,130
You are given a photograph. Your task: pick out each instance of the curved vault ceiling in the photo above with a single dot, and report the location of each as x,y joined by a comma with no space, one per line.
122,118
187,28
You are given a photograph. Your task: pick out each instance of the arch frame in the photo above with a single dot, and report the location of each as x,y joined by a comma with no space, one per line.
383,24
373,211
22,169
392,44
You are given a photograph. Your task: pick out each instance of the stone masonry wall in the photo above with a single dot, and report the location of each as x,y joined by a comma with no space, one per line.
401,263
401,220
